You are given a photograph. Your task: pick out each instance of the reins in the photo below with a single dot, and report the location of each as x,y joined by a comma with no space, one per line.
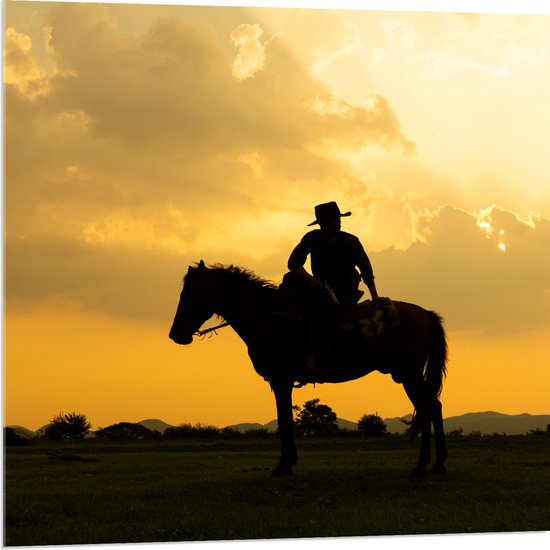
203,333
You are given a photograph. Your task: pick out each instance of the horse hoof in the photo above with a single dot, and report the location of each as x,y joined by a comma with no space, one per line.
418,473
438,469
282,471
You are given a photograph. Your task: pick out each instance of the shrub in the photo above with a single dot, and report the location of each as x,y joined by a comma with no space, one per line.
188,431
68,426
315,419
13,439
257,433
126,431
372,425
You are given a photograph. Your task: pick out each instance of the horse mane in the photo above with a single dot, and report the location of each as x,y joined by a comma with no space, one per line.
243,276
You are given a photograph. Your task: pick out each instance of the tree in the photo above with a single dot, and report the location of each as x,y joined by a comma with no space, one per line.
68,426
126,431
315,419
372,424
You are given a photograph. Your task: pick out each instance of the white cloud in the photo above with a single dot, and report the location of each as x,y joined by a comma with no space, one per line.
400,36
443,66
251,56
494,45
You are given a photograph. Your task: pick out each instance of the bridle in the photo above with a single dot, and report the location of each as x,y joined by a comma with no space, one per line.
203,333
212,330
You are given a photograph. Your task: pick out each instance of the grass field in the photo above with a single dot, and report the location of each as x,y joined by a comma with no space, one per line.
212,490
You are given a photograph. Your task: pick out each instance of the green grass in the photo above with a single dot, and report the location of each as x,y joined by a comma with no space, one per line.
212,490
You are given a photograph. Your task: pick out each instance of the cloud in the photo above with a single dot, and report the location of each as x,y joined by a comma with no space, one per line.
400,36
21,68
145,153
250,57
465,43
149,141
462,272
458,270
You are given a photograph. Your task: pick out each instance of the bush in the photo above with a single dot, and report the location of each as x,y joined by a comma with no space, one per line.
126,431
231,433
188,431
315,419
13,439
372,425
68,426
257,433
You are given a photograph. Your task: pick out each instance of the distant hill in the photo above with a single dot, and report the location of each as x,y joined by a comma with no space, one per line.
488,422
346,424
155,424
484,422
342,424
246,426
22,431
397,426
492,422
271,426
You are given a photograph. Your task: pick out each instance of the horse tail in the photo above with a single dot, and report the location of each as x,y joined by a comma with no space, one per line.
435,371
436,367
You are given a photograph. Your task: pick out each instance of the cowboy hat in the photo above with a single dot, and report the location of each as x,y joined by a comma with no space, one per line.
327,211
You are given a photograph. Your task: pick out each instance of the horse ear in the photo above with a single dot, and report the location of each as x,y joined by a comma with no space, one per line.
201,264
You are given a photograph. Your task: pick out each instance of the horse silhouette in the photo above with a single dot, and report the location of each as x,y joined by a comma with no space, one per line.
414,352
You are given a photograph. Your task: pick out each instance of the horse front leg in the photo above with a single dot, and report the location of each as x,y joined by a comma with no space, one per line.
285,420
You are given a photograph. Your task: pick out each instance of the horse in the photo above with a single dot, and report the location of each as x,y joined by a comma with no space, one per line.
414,352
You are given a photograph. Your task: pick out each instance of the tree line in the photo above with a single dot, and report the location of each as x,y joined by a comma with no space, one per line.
313,419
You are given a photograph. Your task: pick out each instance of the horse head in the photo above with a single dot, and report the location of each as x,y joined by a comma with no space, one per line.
194,308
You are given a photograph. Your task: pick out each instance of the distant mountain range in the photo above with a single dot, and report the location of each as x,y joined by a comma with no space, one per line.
272,426
484,422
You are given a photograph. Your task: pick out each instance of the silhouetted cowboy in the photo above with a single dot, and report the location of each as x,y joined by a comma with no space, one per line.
335,255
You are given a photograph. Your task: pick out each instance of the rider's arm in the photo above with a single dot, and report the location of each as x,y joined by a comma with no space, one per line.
298,258
372,288
365,267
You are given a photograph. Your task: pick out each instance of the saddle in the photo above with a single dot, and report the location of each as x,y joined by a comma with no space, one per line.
370,318
365,320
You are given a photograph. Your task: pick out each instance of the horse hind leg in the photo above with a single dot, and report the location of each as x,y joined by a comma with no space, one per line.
421,423
439,437
431,413
424,458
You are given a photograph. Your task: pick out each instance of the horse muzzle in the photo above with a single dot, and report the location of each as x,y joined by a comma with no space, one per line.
181,339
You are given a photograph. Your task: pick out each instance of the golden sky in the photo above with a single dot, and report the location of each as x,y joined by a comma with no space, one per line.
140,139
